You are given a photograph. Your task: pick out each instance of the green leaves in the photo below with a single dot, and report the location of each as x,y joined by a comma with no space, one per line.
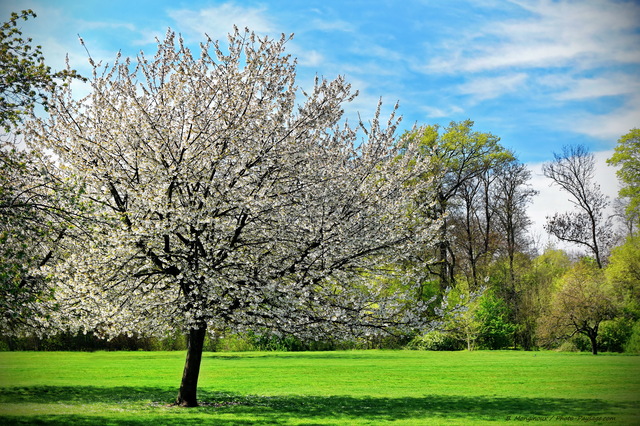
25,80
627,156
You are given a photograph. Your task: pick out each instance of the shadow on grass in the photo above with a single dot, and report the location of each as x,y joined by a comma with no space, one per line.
147,406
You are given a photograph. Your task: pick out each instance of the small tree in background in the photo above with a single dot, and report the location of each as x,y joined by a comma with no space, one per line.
495,330
583,301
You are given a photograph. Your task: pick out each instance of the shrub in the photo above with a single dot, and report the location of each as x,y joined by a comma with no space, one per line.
435,341
633,344
614,334
496,332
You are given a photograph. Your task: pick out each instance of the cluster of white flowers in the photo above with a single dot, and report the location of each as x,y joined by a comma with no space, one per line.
225,200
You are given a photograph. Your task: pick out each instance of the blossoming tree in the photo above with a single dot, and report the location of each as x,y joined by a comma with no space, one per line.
226,198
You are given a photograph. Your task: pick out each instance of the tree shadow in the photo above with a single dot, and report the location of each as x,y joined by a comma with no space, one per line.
275,410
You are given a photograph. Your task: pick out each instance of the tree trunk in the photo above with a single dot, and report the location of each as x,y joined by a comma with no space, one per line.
594,343
187,397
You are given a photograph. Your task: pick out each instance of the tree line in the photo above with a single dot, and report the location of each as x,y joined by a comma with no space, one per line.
209,195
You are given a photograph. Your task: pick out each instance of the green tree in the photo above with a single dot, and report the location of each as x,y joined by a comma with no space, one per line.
623,272
460,157
582,303
460,321
627,156
496,329
25,79
532,291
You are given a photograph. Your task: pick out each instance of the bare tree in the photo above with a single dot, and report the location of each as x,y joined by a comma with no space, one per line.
513,194
573,171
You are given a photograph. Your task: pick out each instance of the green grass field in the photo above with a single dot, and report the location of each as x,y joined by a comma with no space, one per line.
322,388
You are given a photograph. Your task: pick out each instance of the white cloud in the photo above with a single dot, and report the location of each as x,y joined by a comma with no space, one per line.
609,126
218,21
572,88
492,87
567,54
331,25
556,34
436,112
309,58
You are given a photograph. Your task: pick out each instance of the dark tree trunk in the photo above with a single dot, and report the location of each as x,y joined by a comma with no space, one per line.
187,397
594,344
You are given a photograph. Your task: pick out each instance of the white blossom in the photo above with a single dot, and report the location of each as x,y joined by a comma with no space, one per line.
227,197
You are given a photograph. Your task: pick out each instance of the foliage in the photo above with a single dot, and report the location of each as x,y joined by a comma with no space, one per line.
633,343
464,161
614,334
580,305
25,80
623,272
495,331
34,205
436,341
550,265
577,343
539,282
90,342
459,322
627,156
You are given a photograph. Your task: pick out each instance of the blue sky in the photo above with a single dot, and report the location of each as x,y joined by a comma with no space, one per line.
537,73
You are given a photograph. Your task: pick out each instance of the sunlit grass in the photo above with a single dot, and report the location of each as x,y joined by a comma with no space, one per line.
321,388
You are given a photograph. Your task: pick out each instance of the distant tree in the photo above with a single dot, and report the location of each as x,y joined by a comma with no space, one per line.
460,156
529,295
496,329
629,219
583,301
512,194
627,156
573,171
226,204
458,321
474,234
623,272
25,79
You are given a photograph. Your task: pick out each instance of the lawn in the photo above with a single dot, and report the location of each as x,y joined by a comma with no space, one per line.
322,388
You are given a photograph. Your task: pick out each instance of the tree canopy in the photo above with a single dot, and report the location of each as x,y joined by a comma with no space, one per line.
582,303
25,79
627,156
